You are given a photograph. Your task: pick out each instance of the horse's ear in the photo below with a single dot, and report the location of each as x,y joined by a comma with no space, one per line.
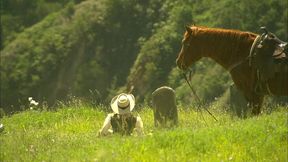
188,29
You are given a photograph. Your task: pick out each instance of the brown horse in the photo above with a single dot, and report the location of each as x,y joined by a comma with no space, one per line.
230,49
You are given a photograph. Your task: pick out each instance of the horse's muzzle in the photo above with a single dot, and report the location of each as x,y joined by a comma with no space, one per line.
180,64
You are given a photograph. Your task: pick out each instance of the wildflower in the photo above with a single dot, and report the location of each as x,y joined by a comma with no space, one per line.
1,128
150,134
231,158
32,102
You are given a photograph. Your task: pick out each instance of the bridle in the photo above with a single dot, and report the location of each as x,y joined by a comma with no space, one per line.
200,103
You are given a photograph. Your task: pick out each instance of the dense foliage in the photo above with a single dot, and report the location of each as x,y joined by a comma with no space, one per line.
16,15
95,48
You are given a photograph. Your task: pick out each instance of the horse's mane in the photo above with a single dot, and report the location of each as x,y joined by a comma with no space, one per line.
219,32
227,40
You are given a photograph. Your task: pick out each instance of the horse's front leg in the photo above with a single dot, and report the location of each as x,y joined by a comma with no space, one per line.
255,102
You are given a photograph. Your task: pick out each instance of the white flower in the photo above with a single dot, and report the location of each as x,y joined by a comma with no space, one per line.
230,158
32,102
1,128
150,134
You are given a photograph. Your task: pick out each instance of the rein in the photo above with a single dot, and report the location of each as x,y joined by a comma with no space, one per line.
197,98
194,93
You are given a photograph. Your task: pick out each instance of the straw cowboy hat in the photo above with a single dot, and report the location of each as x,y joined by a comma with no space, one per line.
123,103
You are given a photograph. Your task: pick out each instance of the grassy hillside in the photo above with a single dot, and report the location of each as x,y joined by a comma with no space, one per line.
70,134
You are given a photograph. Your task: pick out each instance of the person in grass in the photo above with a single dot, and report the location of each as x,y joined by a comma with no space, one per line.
122,120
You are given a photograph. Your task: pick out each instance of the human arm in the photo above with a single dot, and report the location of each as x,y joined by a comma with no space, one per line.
106,125
139,126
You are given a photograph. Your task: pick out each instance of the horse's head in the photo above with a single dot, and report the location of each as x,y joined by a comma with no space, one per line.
190,49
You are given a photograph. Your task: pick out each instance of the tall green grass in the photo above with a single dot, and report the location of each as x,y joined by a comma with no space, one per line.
70,134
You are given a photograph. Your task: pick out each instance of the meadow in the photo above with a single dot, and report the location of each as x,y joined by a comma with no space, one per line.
70,134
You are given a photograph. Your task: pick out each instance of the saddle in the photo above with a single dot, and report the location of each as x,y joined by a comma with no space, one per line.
270,55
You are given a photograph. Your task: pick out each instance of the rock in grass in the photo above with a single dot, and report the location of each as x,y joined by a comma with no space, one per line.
164,107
